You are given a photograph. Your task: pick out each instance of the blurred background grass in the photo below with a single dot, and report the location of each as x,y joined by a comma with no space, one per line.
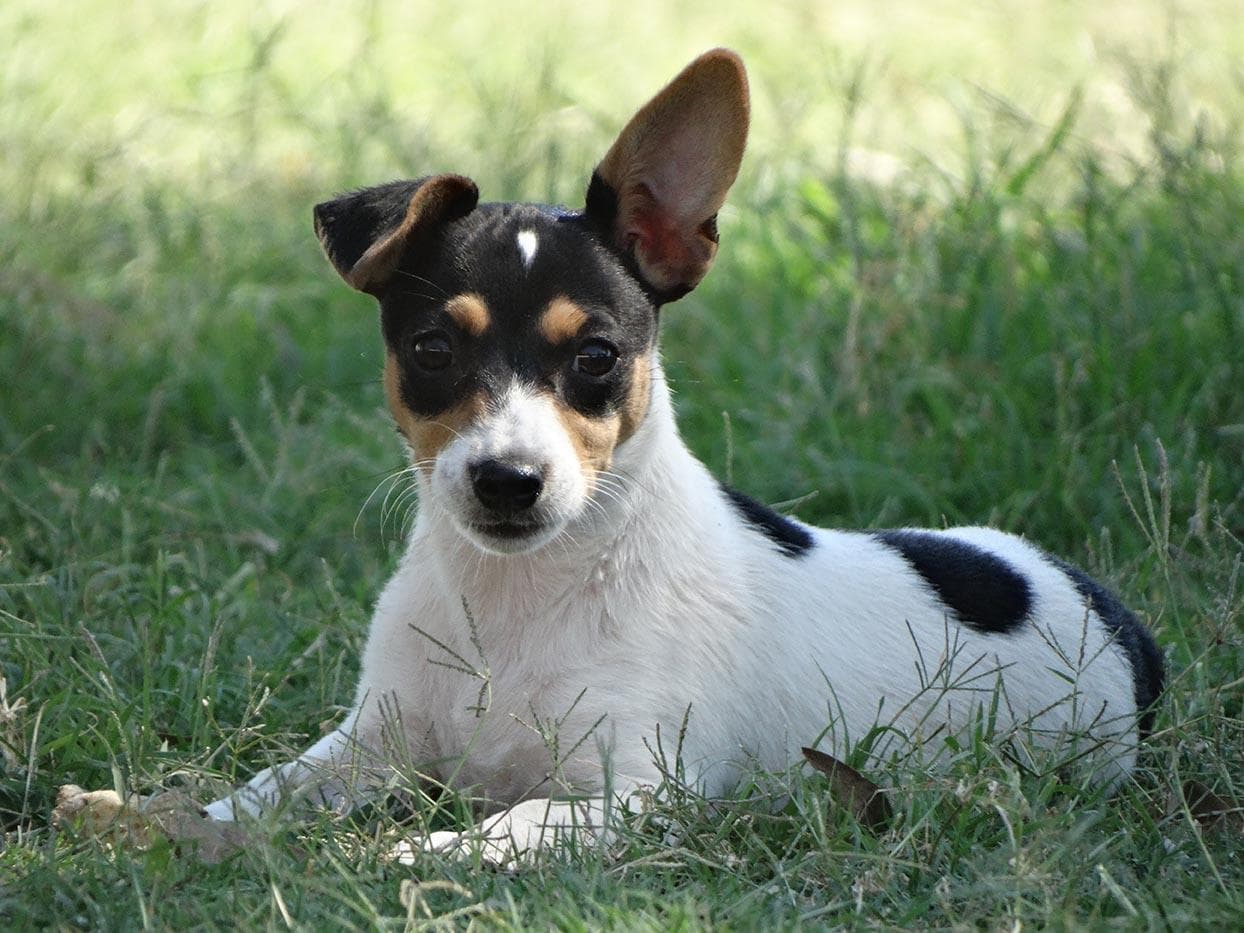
983,264
924,182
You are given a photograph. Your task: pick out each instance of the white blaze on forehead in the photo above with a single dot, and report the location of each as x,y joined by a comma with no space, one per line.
527,245
522,425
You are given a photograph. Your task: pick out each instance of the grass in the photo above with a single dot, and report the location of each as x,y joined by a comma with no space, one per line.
990,278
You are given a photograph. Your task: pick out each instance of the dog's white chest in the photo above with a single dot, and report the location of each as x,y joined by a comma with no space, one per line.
508,734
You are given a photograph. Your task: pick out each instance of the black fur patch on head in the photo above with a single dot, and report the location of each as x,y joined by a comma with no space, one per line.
1142,653
602,204
479,255
791,538
983,590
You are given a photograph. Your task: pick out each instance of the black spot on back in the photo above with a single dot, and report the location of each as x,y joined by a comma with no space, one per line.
983,590
1142,653
791,538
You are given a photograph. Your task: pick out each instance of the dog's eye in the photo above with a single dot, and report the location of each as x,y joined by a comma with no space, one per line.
595,357
432,351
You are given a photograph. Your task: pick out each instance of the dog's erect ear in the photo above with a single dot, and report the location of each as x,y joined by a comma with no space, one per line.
366,232
660,186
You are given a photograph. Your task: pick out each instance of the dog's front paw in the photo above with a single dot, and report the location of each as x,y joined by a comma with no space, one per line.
513,838
458,846
495,851
498,852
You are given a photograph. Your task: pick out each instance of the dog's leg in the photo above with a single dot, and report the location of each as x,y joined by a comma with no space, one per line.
336,772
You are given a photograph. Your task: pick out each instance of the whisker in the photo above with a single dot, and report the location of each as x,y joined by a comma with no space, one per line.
405,293
425,281
392,479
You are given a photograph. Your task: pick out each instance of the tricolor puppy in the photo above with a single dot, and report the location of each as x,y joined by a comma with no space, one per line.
577,582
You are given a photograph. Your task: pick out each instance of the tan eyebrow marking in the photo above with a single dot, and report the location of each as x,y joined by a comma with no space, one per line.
562,320
469,312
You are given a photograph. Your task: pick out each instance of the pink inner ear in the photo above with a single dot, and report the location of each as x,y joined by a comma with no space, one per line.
670,251
685,181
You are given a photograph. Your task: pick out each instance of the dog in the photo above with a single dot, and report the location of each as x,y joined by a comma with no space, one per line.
578,590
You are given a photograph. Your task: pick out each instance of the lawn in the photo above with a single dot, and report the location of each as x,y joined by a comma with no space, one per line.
983,264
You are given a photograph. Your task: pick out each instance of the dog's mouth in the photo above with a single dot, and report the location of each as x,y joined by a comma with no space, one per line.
509,535
507,529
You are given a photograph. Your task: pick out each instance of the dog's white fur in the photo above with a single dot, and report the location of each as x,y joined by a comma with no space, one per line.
541,673
656,603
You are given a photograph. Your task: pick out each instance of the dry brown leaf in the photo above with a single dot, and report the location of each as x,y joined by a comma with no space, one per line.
852,790
183,822
139,821
1211,809
99,813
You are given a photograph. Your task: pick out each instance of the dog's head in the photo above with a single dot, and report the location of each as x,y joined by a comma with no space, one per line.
520,339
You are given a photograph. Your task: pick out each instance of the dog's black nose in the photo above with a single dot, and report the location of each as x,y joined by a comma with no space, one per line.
506,488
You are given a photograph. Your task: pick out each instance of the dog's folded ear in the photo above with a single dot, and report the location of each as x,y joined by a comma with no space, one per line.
365,233
658,189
